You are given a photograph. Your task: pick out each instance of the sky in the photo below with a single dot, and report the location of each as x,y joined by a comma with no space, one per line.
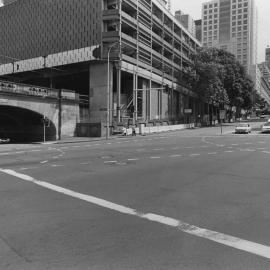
193,8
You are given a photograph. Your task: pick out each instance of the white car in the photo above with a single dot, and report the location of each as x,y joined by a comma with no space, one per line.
243,128
266,127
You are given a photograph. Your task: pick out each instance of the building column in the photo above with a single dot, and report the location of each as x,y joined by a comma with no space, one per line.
119,73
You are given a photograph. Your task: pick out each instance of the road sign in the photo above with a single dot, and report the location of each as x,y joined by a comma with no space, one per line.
222,114
187,110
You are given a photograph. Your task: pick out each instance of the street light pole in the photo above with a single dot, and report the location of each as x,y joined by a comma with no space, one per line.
108,91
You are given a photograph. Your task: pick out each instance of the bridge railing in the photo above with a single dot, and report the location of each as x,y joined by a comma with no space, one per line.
31,90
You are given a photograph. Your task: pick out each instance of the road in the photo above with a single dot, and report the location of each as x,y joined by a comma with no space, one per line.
191,199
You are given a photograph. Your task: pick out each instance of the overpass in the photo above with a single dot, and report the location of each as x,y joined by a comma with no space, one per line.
23,108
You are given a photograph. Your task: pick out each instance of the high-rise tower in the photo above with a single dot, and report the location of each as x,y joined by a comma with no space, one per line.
231,25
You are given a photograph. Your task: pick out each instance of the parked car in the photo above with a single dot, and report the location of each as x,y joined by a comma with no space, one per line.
266,127
4,140
243,128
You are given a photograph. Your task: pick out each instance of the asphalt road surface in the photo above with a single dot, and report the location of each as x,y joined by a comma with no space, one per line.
191,199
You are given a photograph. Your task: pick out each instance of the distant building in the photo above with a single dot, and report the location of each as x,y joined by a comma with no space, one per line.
261,77
7,2
231,25
187,21
267,56
198,29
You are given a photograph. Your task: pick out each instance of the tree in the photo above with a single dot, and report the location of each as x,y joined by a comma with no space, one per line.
218,77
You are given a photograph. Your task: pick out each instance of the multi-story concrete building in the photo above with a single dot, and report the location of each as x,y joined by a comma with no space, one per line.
187,21
66,44
6,2
267,56
260,75
231,25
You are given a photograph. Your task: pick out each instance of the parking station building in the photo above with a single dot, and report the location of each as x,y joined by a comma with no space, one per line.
66,44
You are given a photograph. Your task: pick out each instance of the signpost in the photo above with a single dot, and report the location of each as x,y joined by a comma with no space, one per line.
188,112
222,115
46,123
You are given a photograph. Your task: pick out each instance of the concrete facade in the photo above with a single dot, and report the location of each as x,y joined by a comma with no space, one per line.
69,40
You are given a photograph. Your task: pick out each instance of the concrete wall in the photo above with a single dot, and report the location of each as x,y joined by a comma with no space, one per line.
48,108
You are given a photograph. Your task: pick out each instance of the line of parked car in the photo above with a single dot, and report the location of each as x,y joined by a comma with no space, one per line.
245,128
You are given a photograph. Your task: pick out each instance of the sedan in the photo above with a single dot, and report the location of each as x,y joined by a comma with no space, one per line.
266,127
243,128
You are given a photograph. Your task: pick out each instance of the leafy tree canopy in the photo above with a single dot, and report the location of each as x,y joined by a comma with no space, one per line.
217,77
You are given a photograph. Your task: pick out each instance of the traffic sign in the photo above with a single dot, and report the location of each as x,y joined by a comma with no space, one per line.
187,110
222,114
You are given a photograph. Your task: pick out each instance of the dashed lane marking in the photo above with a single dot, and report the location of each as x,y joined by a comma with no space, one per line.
224,239
45,161
213,153
175,156
194,155
110,161
155,157
266,152
133,159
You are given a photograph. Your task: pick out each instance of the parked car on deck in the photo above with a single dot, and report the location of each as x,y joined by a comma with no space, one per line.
266,127
242,128
4,140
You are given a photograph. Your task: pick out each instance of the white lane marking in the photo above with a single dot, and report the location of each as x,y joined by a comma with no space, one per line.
246,150
260,148
108,143
154,157
194,155
229,151
133,159
266,152
158,149
35,150
213,153
110,161
30,168
224,239
86,163
56,165
175,156
5,153
43,162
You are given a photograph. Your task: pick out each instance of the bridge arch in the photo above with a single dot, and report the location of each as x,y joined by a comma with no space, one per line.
21,124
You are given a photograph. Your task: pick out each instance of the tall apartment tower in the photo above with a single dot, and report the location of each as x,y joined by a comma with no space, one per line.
231,25
187,21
